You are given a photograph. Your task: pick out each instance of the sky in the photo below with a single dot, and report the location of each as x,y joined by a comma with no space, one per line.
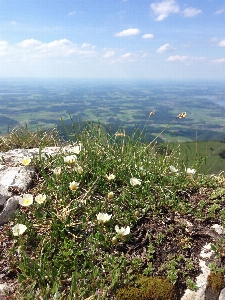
121,39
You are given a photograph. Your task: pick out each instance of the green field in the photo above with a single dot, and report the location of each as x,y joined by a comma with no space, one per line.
118,104
125,106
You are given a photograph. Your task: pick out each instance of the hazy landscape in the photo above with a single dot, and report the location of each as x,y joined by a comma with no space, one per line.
125,104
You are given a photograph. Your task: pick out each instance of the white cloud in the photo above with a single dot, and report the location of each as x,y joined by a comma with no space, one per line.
164,8
214,39
165,48
30,43
128,32
127,55
177,57
3,44
186,58
148,36
219,61
109,54
199,58
85,45
3,48
222,43
220,11
34,49
72,13
191,12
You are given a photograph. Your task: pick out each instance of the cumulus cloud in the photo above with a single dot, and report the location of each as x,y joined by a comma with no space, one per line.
165,48
128,32
185,58
177,57
34,49
3,44
72,13
191,12
127,55
148,36
222,43
220,11
218,61
3,48
164,8
109,54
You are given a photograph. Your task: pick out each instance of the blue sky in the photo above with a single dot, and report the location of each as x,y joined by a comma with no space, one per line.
165,39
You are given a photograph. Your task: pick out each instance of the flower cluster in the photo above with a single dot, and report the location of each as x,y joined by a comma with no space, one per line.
104,218
187,170
70,159
27,199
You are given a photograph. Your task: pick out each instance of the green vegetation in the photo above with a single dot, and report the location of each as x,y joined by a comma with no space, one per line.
111,216
118,104
209,155
24,137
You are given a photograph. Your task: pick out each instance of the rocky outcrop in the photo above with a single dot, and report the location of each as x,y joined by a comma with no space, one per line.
16,178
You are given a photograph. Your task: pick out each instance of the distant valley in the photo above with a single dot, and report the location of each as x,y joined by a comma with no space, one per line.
125,104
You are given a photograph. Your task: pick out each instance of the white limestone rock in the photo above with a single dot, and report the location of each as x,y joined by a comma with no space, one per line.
9,209
19,178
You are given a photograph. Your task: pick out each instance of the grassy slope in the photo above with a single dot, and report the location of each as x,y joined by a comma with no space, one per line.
67,253
204,153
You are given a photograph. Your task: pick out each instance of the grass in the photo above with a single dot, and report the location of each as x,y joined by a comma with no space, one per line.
23,137
68,252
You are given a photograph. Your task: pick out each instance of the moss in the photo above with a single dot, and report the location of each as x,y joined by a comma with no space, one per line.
147,288
215,283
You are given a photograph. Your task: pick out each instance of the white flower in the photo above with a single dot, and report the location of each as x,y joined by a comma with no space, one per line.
173,169
182,115
26,200
114,240
19,229
110,177
40,198
70,159
76,149
25,160
110,195
122,231
74,185
190,171
134,181
103,218
79,169
57,171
